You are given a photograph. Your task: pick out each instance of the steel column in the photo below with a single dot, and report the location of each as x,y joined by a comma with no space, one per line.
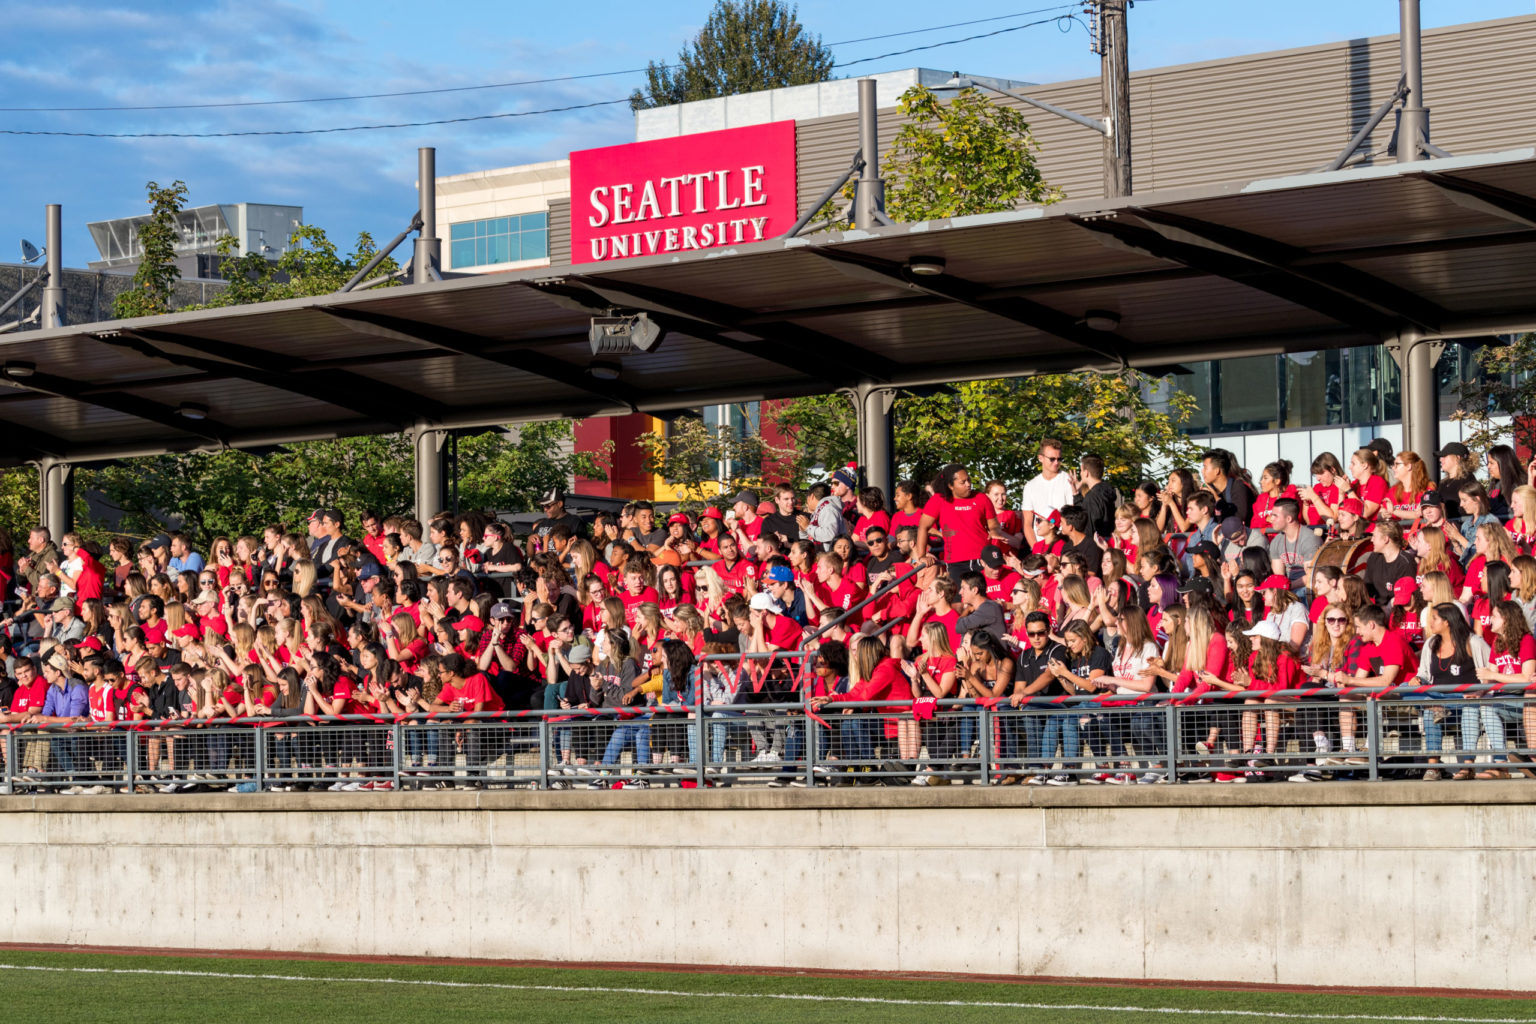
869,200
426,256
1413,118
56,496
876,444
53,292
430,451
1416,358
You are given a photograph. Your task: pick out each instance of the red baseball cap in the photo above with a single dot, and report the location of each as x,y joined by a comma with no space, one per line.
469,622
188,629
1275,582
1404,589
711,513
1352,506
677,517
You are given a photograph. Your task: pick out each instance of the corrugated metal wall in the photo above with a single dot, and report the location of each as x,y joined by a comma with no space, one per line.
559,232
1268,114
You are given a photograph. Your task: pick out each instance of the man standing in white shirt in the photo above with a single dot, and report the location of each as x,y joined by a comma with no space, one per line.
1049,491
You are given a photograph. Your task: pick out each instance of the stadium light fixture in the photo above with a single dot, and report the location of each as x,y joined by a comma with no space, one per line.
618,334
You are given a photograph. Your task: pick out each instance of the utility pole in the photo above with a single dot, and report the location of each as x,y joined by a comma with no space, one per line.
1111,43
53,292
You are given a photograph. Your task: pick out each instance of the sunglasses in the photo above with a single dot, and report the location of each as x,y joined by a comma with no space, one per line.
1334,620
1050,458
1036,632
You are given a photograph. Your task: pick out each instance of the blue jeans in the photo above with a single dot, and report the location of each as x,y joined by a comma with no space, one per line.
1061,727
420,739
856,734
624,735
794,743
1029,725
717,732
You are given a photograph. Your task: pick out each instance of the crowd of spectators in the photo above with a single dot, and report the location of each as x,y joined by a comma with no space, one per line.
1360,576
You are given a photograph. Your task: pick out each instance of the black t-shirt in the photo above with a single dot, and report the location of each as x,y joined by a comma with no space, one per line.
1080,666
875,566
1029,666
1100,503
1381,575
1092,554
774,523
7,691
577,524
1240,496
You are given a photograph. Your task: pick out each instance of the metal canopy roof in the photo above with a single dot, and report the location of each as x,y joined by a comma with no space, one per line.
1352,257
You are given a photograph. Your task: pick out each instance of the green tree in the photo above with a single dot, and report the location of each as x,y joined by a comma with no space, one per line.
689,455
1504,386
155,278
310,266
745,46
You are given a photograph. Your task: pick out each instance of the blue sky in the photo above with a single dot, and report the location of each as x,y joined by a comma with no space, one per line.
94,55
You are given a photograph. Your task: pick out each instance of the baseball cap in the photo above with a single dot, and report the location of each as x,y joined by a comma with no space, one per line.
1352,506
579,655
677,517
766,508
780,574
469,622
1432,498
666,556
748,497
1275,582
503,610
992,556
1198,585
188,629
710,512
551,497
1206,548
1269,629
1381,446
368,571
316,514
1454,448
1054,518
765,603
206,597
92,643
160,540
62,604
1404,589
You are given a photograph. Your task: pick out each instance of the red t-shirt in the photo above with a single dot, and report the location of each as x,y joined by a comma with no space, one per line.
1001,589
879,519
1392,649
30,698
633,601
1288,675
949,620
963,523
1314,613
103,703
477,690
783,633
1473,577
847,594
1373,490
1508,664
1330,496
156,634
900,519
735,577
1056,547
1482,618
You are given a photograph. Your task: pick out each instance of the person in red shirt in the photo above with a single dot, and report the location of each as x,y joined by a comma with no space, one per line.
832,589
772,629
638,589
373,535
871,512
1367,483
1385,659
1271,668
1513,661
907,512
1274,484
937,602
1000,579
1049,543
965,519
467,691
873,676
1405,501
1321,500
1008,520
739,575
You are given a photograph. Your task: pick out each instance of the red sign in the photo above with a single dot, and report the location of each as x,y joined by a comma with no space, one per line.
691,192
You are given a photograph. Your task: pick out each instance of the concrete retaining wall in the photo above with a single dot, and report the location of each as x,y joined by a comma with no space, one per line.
1386,884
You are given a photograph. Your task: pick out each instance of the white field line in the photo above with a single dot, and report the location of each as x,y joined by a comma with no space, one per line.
670,993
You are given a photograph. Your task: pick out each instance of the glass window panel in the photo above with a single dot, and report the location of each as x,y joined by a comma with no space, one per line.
480,229
480,257
464,230
1249,392
463,253
496,249
502,225
535,244
535,220
1306,389
515,247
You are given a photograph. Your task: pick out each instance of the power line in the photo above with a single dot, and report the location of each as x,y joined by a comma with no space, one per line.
951,42
309,131
491,85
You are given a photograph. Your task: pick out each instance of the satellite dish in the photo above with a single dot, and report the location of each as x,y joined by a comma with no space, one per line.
29,252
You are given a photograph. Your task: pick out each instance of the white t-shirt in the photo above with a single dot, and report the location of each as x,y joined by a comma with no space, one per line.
1130,664
1042,496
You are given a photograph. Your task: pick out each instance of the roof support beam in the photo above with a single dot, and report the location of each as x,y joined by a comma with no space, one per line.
120,402
354,393
1241,270
1489,199
957,290
806,351
25,444
446,339
1354,284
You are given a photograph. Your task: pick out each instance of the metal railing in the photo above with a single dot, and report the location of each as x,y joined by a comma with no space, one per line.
1403,732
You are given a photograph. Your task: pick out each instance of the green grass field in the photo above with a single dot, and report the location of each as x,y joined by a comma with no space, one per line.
41,988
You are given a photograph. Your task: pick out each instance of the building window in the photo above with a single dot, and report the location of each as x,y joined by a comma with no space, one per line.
479,243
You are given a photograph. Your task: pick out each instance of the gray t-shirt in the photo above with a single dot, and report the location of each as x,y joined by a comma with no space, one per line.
1294,554
423,555
988,616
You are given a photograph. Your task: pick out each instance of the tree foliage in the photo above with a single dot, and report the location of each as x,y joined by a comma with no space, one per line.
155,278
689,456
745,46
1505,386
310,266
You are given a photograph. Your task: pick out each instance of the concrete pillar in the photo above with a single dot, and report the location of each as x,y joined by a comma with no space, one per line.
877,445
431,449
1417,357
56,496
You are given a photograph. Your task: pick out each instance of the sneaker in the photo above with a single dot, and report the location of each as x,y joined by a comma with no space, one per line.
1038,780
597,784
777,782
558,784
582,769
766,757
380,785
353,787
1229,777
1357,760
636,784
1433,775
169,787
73,790
1204,749
1151,778
1062,780
1120,779
1098,778
798,783
1305,776
821,770
96,790
922,780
